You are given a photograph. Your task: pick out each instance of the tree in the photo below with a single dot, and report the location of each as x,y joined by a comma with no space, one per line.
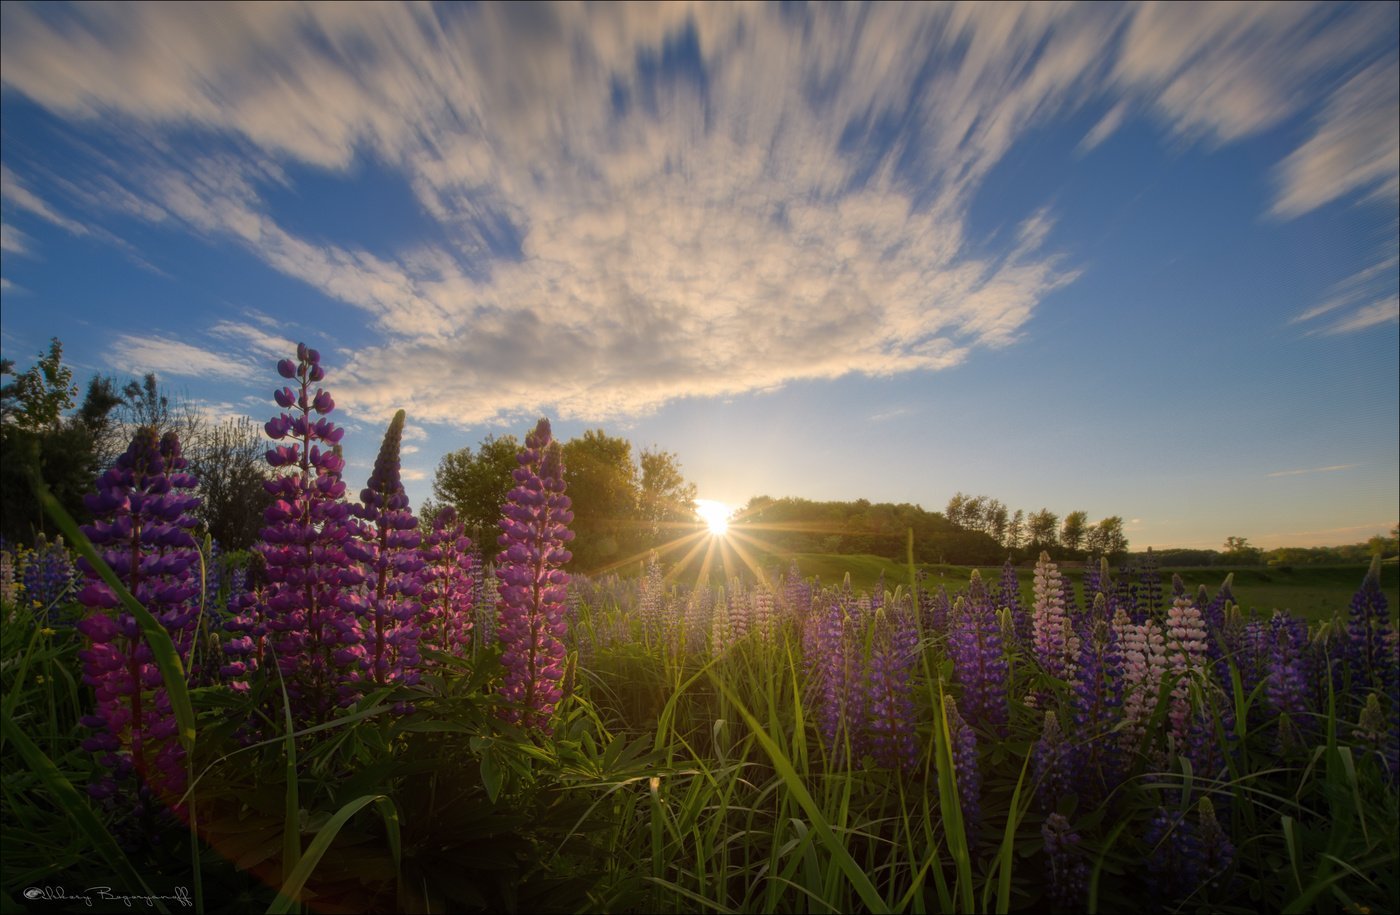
228,461
1238,551
1072,532
1016,530
37,440
956,512
477,485
604,485
1106,538
666,497
996,516
1041,527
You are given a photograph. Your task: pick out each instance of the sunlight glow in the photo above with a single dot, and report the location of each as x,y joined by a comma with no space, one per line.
715,515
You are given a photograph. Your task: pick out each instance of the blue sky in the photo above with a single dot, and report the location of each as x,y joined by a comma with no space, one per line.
1134,260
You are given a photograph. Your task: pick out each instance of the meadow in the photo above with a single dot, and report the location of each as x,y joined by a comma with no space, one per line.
373,714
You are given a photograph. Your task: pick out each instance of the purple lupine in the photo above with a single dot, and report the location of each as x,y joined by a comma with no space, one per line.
1096,701
1052,764
1368,650
797,593
1065,867
835,660
979,666
721,626
533,583
386,545
1150,584
316,641
246,648
49,577
890,697
765,618
1288,676
1009,597
939,609
652,592
1216,850
142,529
1174,856
448,585
963,748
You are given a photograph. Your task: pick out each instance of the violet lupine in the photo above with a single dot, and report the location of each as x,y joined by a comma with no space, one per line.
1368,650
1186,654
386,545
890,695
797,593
142,529
449,588
1053,762
1173,856
721,627
1288,676
979,665
1097,704
316,641
533,583
765,618
1009,597
1065,867
1051,635
246,649
651,597
835,660
962,746
49,576
1216,849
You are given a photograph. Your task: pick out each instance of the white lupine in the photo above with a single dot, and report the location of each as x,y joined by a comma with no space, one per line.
1144,666
1186,652
1050,621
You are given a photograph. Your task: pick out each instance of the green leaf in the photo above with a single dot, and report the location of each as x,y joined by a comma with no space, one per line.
491,776
292,887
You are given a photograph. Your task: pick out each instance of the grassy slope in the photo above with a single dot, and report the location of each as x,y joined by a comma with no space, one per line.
1313,592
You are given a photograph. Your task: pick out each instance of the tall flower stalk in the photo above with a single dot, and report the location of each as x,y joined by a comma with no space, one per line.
317,642
533,583
142,508
386,544
449,585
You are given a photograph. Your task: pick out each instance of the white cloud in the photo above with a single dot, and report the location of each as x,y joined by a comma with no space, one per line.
1293,473
12,240
164,356
1363,295
1356,146
1386,311
267,345
16,193
735,225
1105,128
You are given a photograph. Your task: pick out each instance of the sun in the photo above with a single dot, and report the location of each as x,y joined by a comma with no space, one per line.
715,515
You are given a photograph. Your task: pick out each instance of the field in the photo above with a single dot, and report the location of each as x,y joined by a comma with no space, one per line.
366,714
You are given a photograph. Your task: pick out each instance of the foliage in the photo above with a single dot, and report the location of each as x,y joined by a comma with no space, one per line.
476,484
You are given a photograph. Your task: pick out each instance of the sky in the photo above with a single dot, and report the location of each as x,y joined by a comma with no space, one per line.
1135,260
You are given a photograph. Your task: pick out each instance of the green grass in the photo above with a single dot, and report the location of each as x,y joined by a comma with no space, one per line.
1312,592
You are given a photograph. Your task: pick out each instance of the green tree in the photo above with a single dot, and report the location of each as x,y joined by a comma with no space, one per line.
1041,527
228,460
476,485
1072,531
605,488
666,497
1016,530
1106,538
1238,551
36,399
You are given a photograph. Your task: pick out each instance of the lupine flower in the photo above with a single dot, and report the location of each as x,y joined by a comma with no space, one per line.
890,697
764,612
963,748
1173,856
449,589
1186,653
1213,610
1053,761
1217,852
245,650
1050,622
49,576
1009,597
386,544
740,611
975,647
836,662
1065,867
797,593
721,627
1097,701
649,601
1144,665
317,642
9,590
142,529
486,596
533,583
1287,687
1368,651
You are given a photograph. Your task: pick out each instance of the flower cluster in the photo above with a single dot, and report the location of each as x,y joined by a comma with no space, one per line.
962,747
1054,641
142,531
1065,866
975,646
385,543
316,641
49,576
890,699
449,588
533,584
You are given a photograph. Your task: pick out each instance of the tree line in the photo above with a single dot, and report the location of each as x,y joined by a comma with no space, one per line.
1023,532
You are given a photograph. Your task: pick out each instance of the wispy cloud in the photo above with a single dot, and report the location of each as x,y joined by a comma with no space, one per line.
268,345
12,240
1367,297
626,220
16,193
1294,473
164,356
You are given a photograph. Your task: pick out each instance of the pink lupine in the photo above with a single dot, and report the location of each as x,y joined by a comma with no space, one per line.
1186,653
1055,645
533,583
